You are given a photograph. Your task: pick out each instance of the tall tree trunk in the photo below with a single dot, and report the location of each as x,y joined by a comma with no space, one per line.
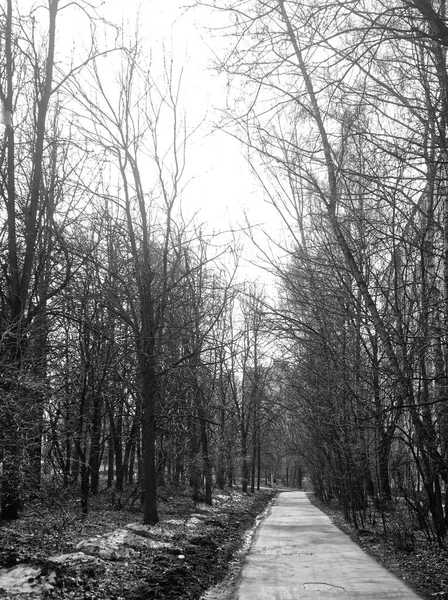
95,448
195,471
149,391
254,452
110,461
208,474
221,460
244,462
20,272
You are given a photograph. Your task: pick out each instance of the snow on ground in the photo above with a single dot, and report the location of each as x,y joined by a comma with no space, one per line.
25,579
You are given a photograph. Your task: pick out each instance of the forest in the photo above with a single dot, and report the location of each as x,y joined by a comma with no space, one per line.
132,353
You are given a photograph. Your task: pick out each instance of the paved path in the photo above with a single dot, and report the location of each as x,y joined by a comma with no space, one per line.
297,553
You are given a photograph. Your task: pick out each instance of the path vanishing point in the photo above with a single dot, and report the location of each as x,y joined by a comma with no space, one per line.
298,554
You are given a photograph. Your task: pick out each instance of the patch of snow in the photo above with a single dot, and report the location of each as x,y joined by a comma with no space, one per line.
25,579
172,522
72,558
194,520
167,528
140,529
205,507
118,545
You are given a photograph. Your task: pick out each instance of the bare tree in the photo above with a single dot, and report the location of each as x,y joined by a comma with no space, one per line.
348,104
136,123
34,229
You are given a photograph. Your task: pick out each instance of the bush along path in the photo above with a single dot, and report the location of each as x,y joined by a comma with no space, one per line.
52,552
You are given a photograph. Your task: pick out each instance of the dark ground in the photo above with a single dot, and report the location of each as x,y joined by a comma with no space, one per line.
404,550
193,544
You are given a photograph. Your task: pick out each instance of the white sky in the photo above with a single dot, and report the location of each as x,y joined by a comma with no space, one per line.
220,189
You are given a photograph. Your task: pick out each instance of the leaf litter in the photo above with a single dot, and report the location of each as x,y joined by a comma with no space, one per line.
192,548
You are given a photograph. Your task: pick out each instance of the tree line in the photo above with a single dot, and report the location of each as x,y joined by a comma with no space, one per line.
126,340
345,113
130,355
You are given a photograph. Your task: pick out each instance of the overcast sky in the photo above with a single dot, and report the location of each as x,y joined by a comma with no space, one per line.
221,189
